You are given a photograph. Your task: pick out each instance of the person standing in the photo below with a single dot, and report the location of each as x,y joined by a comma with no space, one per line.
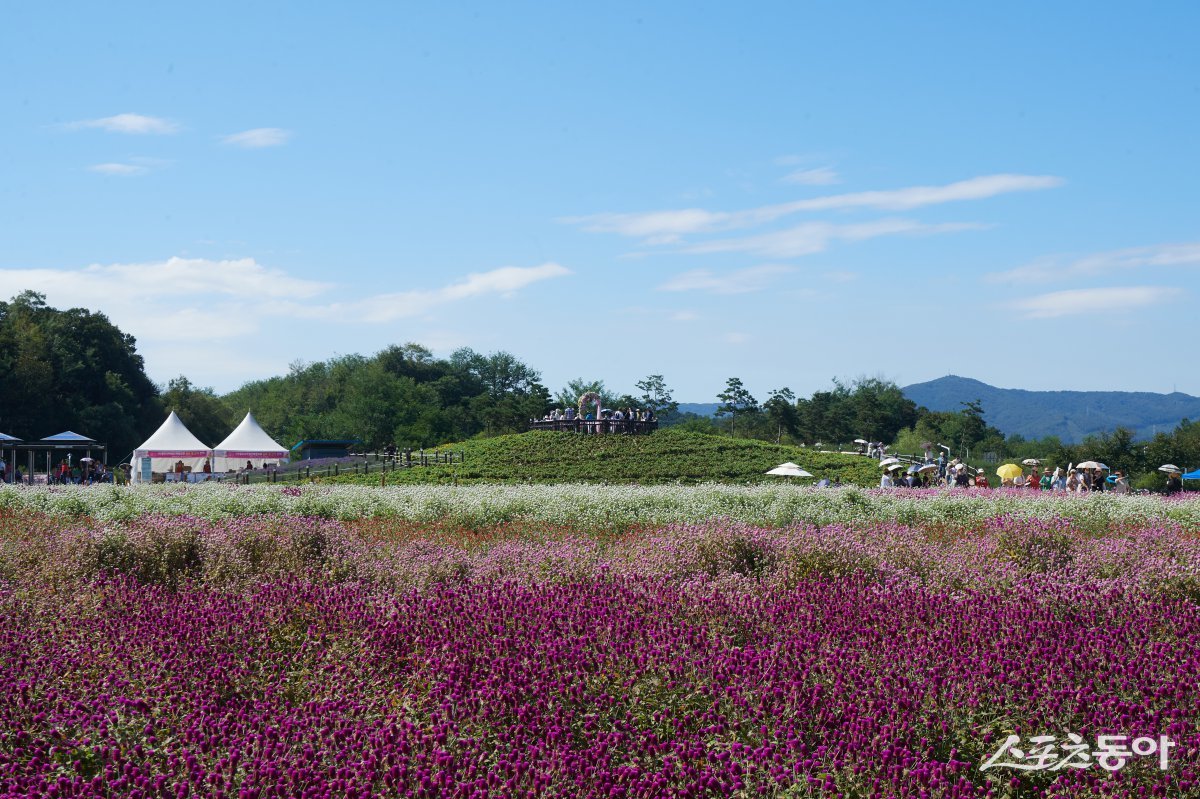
1046,480
1174,483
1121,486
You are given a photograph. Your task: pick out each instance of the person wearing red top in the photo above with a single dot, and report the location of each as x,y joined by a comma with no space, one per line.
981,480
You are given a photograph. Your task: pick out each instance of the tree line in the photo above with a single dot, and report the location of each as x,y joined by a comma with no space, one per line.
875,409
73,369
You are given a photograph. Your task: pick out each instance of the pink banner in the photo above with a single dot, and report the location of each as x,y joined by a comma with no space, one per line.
234,453
176,453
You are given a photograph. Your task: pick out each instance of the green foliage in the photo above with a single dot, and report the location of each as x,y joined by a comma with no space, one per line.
736,402
401,395
780,409
568,396
870,408
209,417
72,370
666,456
1067,415
657,397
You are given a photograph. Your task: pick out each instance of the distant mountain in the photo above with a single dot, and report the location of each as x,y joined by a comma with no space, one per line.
699,408
1070,415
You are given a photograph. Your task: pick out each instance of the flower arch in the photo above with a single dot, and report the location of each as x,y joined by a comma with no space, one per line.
590,398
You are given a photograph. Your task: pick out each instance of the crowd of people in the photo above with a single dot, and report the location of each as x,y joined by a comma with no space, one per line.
618,420
86,472
607,414
953,473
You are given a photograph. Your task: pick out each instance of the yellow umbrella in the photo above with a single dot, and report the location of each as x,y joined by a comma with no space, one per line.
1009,471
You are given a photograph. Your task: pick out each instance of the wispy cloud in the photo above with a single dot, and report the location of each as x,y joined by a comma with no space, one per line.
128,123
206,299
683,316
1093,300
667,227
258,138
814,237
820,176
742,281
503,282
174,277
118,170
209,299
138,165
1049,269
841,276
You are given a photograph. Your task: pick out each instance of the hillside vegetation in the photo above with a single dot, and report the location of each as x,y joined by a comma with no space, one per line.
1069,415
666,456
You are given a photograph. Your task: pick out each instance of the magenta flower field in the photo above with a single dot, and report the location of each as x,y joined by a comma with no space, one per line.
279,655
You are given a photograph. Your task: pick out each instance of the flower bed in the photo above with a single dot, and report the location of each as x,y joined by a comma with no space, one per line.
890,654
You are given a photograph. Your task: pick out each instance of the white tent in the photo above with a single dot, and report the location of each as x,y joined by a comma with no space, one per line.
170,444
790,469
248,442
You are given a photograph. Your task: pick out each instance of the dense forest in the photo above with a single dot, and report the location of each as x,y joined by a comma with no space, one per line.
73,369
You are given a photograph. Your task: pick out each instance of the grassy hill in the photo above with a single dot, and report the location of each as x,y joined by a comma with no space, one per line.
666,456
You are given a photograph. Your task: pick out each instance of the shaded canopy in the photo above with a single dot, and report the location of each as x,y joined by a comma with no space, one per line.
171,443
247,442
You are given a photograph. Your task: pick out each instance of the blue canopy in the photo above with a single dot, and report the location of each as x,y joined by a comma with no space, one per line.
4,437
68,438
1192,475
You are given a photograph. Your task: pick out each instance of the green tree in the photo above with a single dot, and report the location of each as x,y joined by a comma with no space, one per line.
568,396
657,397
781,411
736,402
204,413
72,370
511,395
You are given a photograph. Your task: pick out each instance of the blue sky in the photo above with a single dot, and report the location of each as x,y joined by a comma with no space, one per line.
779,192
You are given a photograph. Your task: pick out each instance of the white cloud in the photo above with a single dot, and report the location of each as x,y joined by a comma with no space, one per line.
176,277
743,281
119,170
504,282
223,321
661,227
737,338
920,196
1049,269
665,227
198,300
128,123
684,316
814,237
258,137
820,176
1094,300
841,276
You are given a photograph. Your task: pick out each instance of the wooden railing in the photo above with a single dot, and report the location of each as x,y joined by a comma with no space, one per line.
356,463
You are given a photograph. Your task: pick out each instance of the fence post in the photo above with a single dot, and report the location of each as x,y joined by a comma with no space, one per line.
335,470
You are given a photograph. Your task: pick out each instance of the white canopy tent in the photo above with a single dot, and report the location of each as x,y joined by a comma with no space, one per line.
170,444
247,443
